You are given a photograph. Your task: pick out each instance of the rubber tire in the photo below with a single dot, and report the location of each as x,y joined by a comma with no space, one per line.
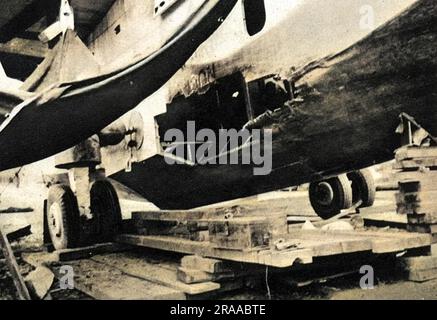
342,197
363,187
105,206
70,217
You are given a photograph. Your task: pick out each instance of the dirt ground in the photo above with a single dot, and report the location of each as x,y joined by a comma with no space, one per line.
347,288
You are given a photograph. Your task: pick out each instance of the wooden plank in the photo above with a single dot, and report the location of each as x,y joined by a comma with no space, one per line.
302,219
192,230
387,245
385,241
87,252
407,153
225,286
29,15
39,281
190,276
139,268
326,243
422,275
417,209
423,228
391,219
419,196
103,282
418,263
294,281
426,179
331,247
416,202
231,285
23,292
379,241
25,47
309,244
37,259
240,233
20,233
407,185
204,264
280,259
416,163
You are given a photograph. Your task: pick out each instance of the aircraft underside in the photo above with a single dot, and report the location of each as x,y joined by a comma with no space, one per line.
338,114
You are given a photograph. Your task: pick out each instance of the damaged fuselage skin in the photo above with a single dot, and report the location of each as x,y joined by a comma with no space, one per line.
330,78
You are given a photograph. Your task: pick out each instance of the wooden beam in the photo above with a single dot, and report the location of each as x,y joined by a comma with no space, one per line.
279,259
20,233
204,264
29,35
18,66
25,47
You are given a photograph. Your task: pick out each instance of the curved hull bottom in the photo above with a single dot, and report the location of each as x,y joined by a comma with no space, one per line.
183,187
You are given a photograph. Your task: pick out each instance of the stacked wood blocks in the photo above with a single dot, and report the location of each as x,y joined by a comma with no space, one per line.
182,224
196,269
240,233
419,269
230,275
417,197
234,228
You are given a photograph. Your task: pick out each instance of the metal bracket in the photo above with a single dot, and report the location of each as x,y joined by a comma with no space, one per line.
65,22
161,6
66,16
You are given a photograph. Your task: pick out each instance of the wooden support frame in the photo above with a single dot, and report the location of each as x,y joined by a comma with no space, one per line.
310,244
279,259
25,47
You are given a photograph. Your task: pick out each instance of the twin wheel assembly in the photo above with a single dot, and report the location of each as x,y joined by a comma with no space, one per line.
329,197
69,229
86,209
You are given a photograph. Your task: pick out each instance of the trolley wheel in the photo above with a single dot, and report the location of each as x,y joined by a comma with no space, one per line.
363,187
105,207
329,197
63,217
